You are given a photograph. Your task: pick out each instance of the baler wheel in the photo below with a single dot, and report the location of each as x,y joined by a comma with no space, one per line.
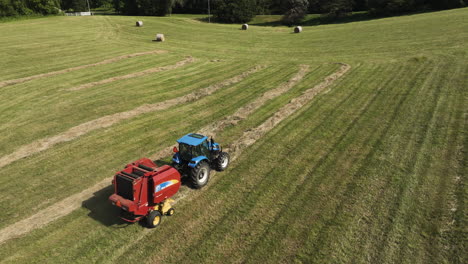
153,219
170,212
222,162
200,175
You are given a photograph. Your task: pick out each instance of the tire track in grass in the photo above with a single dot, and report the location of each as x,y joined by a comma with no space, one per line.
351,196
295,194
73,202
319,233
109,120
354,201
429,200
388,247
108,61
134,75
382,184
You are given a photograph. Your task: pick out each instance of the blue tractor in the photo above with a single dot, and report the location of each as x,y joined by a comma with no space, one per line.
196,156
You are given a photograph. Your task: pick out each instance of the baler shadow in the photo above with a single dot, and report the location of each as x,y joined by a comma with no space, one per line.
101,210
162,162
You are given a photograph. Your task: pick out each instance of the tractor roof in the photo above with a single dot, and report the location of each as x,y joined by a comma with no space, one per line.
192,139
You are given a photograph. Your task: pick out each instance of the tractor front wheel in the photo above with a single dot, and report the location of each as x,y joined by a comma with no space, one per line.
222,162
200,175
153,219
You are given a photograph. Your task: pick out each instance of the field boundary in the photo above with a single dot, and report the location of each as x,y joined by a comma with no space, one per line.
48,74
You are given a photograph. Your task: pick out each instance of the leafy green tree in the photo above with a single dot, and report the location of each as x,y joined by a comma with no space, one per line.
14,8
338,8
28,7
234,11
74,5
297,10
445,4
145,7
387,7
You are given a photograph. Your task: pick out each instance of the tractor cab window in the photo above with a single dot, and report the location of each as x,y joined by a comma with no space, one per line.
205,149
185,151
197,151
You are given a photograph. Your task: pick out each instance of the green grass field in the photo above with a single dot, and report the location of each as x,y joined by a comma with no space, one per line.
372,169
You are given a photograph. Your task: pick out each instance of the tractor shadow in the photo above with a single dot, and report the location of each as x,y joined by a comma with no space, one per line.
101,210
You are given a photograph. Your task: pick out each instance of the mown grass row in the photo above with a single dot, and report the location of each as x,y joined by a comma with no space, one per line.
46,112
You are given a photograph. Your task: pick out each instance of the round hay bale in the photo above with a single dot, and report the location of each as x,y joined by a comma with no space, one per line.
298,29
245,27
160,37
139,23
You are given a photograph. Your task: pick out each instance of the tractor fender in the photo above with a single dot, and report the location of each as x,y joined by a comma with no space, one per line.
194,162
215,147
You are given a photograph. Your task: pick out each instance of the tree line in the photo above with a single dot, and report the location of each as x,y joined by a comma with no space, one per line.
230,11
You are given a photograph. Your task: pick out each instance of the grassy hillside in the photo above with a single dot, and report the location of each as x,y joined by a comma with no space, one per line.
371,170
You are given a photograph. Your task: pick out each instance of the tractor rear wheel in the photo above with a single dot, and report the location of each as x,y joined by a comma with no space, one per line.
153,219
222,162
200,175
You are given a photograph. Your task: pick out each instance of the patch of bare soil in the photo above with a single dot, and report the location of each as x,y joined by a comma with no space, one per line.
48,74
73,202
133,75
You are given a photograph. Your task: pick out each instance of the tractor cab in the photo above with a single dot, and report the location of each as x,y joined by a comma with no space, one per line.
195,157
192,146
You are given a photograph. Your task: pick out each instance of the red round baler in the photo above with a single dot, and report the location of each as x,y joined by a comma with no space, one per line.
142,189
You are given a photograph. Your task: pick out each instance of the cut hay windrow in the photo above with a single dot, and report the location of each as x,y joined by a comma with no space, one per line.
48,74
244,111
67,205
250,136
134,75
107,121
